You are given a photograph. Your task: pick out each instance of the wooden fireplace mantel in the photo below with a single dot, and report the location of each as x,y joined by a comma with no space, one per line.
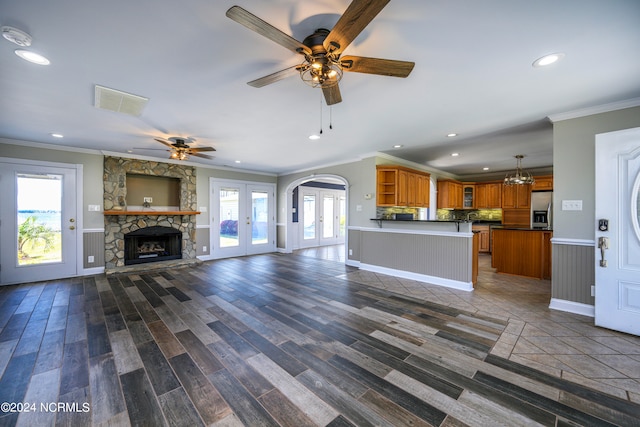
150,213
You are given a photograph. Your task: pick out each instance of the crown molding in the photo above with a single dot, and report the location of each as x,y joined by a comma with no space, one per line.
589,111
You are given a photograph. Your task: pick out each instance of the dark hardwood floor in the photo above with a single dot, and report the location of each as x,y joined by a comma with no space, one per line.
269,340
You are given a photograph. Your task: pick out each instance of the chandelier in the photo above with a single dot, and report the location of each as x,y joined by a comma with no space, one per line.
519,177
322,71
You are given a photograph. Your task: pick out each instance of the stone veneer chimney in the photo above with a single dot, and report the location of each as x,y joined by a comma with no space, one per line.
115,193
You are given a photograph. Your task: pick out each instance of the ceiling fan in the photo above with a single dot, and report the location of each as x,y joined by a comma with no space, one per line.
323,65
181,151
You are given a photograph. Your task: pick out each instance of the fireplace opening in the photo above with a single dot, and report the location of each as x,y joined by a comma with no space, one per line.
152,244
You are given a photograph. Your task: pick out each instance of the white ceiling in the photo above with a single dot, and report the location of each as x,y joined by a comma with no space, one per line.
473,76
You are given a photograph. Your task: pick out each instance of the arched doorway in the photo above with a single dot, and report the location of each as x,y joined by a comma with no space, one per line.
317,213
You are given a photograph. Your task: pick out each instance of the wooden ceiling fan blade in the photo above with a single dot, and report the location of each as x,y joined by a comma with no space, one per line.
357,16
383,67
197,149
332,94
252,22
165,142
204,156
275,77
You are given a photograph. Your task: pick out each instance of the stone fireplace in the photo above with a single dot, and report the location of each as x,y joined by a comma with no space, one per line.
140,226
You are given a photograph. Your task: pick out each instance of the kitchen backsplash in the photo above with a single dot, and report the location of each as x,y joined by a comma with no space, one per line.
472,214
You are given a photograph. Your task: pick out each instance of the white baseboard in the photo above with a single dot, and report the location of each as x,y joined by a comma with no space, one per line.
91,271
352,263
572,307
432,280
205,257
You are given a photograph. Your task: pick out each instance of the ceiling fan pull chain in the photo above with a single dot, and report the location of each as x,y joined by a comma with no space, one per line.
330,117
320,113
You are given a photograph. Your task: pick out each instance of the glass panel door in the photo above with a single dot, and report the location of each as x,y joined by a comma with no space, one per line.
228,216
309,216
327,216
244,215
38,222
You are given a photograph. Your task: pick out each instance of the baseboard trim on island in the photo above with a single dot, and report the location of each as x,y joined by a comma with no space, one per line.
432,280
572,307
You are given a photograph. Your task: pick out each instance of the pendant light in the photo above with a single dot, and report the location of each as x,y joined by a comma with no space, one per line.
519,177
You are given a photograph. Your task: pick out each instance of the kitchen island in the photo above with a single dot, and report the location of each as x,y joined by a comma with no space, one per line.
522,251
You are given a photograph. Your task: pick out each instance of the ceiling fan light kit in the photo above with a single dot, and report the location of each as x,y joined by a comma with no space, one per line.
323,67
181,151
519,177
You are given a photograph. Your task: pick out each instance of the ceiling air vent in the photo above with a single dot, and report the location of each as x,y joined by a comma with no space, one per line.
118,101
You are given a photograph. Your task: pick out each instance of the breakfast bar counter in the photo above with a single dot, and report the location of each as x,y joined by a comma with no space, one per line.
522,251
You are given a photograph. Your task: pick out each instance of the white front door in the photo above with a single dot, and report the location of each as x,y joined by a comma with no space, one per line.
617,296
38,224
243,218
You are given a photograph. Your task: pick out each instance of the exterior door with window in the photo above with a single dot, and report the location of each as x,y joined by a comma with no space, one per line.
242,218
38,225
323,217
617,296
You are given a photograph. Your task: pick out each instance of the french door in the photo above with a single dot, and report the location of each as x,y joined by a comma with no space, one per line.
38,226
617,302
243,218
323,217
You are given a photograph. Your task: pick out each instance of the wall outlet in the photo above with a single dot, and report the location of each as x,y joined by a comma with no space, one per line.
91,259
147,199
350,252
572,205
204,249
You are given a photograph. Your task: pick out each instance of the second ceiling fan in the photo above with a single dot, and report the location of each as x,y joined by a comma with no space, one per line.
323,64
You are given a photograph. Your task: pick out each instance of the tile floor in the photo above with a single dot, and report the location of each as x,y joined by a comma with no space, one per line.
561,344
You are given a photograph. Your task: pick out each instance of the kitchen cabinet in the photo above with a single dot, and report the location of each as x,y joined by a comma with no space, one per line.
488,195
516,196
483,237
543,183
468,196
522,252
449,194
400,186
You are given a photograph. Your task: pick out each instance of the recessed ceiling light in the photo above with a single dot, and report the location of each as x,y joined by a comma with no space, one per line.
238,161
33,57
57,135
397,146
314,137
451,135
455,154
485,169
547,60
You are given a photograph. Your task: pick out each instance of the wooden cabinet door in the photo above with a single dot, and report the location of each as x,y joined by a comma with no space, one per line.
484,241
425,190
412,189
524,196
468,196
494,195
481,196
509,197
403,188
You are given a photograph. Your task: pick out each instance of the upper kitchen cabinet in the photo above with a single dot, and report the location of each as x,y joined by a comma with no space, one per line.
468,195
543,183
516,196
488,195
400,186
449,194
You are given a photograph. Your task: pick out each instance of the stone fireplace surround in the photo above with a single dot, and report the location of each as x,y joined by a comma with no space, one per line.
115,192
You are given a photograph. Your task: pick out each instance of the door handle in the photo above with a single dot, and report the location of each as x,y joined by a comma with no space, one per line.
603,244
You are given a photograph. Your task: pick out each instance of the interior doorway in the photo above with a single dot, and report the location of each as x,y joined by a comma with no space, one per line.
317,214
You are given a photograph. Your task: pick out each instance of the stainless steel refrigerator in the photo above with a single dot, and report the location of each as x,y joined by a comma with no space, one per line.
541,209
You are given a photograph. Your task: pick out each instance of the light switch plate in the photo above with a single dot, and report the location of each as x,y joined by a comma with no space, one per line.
93,208
572,205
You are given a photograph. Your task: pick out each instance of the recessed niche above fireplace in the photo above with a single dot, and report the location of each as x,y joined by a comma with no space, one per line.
159,192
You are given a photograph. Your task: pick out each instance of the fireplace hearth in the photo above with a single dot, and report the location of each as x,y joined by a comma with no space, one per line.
152,244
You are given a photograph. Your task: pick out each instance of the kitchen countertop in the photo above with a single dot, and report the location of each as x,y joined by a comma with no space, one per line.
519,228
